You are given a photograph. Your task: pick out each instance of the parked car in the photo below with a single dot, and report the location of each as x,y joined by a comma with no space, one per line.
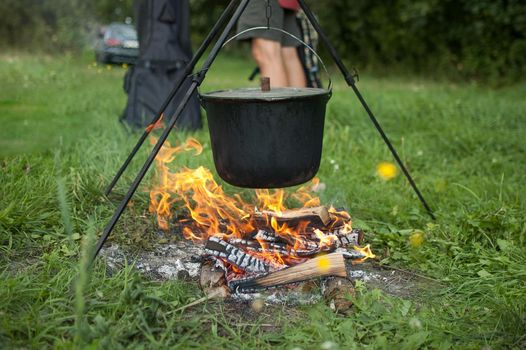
117,43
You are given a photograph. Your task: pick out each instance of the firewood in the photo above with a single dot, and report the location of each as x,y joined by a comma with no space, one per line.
326,265
212,281
344,239
215,246
349,239
339,217
337,294
282,249
317,216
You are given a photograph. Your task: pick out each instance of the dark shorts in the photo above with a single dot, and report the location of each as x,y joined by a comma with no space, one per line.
255,16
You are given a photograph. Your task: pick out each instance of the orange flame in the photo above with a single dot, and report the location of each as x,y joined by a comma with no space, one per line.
271,201
194,193
366,251
325,239
157,125
304,196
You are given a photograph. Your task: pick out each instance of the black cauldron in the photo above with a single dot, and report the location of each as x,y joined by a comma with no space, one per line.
266,139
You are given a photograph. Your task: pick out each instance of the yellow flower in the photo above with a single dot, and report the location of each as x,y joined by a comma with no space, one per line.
324,264
386,170
416,239
257,304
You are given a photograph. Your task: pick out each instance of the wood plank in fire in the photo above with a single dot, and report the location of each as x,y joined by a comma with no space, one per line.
326,265
317,216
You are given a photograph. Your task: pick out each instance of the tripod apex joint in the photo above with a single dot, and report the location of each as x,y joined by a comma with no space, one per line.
355,74
199,76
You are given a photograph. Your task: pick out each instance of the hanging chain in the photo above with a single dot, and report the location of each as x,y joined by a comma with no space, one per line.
269,14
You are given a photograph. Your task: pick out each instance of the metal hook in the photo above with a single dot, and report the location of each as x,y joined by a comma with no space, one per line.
355,74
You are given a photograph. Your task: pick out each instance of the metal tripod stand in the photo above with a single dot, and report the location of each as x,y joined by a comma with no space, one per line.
233,12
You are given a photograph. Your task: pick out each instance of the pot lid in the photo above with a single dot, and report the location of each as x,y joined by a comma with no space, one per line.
275,94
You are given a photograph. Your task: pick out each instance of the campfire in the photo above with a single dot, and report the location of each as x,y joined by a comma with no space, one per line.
254,245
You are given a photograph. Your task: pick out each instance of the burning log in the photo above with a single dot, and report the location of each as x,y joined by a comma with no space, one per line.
215,246
281,248
267,236
271,243
344,238
303,240
339,217
355,237
255,246
326,265
316,216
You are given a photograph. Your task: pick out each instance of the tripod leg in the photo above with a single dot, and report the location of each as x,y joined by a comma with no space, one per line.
188,70
350,81
198,79
393,152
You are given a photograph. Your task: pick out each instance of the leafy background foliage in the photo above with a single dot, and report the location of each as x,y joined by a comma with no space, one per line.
477,39
469,38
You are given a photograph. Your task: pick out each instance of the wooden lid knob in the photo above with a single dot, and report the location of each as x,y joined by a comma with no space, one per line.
265,83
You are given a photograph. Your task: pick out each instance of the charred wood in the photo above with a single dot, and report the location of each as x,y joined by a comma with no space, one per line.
215,246
282,249
355,237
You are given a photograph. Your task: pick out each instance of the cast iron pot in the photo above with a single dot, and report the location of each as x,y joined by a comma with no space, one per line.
266,139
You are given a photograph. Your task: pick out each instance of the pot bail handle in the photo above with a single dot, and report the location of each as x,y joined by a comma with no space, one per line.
293,37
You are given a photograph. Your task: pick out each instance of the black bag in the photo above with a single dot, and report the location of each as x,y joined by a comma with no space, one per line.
164,51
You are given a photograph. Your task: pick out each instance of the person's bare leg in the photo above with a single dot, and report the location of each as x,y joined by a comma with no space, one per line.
293,67
267,54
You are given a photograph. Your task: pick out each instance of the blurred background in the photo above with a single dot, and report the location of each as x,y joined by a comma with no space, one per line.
482,40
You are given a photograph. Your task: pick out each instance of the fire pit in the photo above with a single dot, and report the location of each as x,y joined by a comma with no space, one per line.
248,247
228,19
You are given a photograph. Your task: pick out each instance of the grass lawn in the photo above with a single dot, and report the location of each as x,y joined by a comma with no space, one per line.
60,144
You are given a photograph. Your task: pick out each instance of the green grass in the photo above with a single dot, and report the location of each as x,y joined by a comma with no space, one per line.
60,144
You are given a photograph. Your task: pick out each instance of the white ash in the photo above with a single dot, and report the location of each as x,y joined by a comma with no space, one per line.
356,274
372,276
180,260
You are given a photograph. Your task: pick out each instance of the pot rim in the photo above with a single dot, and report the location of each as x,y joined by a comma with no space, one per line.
256,95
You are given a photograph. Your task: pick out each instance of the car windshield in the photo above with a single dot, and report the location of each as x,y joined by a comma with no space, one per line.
124,31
